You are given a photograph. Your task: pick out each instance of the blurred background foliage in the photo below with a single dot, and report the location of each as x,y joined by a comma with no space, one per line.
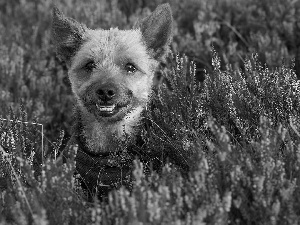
30,71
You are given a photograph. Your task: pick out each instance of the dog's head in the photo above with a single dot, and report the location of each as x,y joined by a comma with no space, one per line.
112,71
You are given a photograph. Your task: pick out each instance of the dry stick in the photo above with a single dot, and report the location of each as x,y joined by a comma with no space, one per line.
170,142
294,128
236,32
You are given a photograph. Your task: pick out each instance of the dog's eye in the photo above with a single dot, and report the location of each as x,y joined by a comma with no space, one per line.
130,68
89,66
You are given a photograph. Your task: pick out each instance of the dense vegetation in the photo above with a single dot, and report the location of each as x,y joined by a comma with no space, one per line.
238,131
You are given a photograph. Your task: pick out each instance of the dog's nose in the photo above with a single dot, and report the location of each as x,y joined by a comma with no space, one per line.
106,94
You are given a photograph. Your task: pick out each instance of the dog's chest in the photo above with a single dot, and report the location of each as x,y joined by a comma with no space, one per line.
107,137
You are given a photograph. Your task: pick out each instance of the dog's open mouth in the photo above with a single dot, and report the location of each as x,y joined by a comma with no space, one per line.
106,108
109,110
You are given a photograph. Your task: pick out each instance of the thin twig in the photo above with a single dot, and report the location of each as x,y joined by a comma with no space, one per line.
164,133
236,32
294,128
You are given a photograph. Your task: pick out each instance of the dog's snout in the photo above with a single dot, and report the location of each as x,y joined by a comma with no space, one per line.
106,94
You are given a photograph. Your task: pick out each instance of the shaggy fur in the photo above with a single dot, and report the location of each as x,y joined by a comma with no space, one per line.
112,73
101,61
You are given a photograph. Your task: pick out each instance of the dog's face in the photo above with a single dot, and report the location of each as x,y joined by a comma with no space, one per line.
112,71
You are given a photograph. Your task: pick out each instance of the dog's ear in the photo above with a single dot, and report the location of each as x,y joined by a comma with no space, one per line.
67,35
157,30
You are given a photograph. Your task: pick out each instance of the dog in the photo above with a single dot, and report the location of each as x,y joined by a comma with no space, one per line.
112,74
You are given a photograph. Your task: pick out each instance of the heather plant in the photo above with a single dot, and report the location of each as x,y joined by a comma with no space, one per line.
237,29
225,151
227,165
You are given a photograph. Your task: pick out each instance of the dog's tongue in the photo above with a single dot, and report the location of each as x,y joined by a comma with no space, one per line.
105,108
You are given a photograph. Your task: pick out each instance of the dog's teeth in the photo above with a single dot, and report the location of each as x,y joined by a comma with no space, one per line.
105,108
